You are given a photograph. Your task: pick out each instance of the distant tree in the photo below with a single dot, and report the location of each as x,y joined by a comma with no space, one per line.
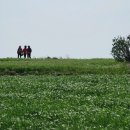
121,49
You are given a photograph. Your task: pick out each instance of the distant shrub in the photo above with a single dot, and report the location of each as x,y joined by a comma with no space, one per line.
54,58
48,57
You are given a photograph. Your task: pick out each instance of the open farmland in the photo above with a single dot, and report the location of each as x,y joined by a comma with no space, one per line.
86,95
61,66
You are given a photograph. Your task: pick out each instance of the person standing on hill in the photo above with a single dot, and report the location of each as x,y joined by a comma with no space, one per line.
29,51
19,51
25,51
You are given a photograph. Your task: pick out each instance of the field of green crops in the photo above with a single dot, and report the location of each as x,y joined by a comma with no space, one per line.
64,94
61,66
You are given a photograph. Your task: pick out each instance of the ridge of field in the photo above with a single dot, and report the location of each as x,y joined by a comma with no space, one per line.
13,66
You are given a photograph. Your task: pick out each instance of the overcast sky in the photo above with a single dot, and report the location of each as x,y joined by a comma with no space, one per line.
62,28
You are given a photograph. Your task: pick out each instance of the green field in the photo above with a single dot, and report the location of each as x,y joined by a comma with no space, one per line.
64,94
61,66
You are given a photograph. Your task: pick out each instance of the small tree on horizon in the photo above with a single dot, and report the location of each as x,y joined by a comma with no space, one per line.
121,49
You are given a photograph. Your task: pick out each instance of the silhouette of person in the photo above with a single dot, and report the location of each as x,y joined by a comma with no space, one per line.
25,51
29,51
19,51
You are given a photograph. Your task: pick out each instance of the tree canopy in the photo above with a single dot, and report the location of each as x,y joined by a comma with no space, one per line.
121,48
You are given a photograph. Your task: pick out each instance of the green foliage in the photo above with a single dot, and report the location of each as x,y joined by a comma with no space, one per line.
64,94
100,102
61,66
120,50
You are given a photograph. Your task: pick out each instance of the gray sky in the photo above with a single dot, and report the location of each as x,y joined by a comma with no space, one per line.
62,28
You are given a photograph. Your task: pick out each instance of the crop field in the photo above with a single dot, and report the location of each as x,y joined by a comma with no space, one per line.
61,66
59,100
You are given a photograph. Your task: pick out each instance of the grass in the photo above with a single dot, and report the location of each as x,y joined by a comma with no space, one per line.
61,66
64,94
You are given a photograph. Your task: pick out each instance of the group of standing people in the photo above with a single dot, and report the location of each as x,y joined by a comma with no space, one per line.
26,52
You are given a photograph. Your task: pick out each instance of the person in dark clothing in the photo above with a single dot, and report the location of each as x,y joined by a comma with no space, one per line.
25,51
29,51
19,51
